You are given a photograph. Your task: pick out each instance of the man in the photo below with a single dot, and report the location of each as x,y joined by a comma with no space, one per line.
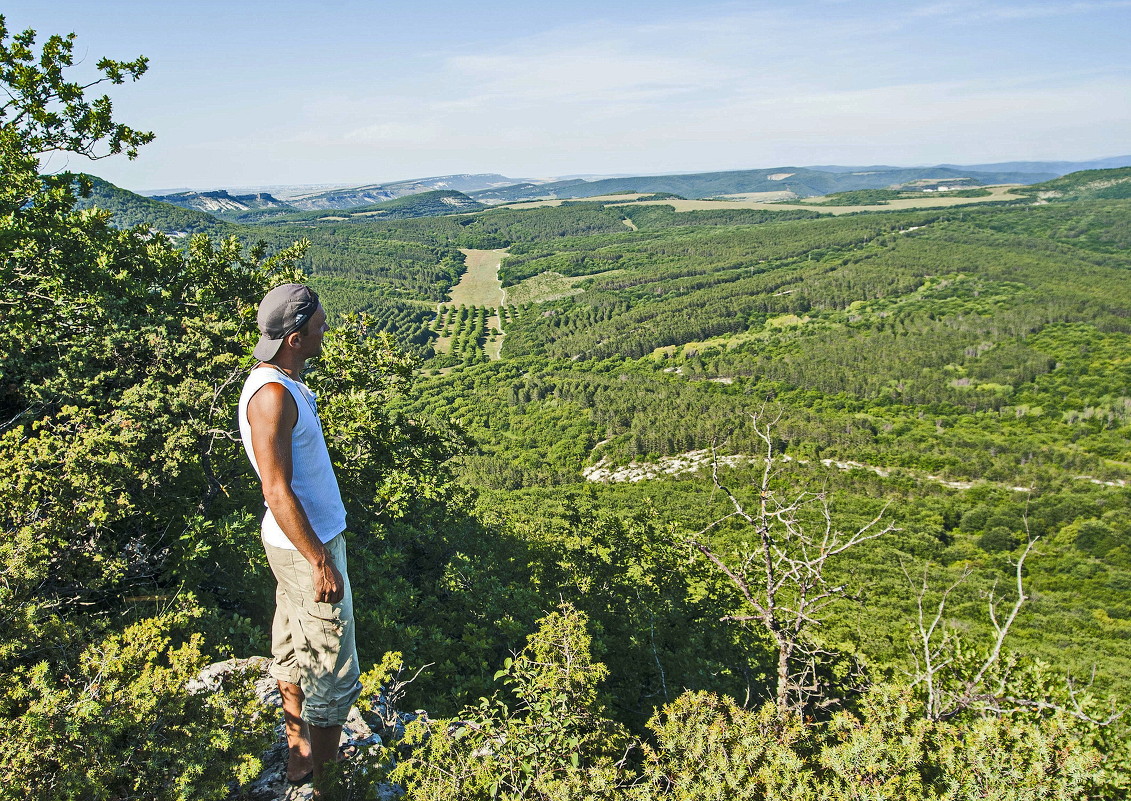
312,636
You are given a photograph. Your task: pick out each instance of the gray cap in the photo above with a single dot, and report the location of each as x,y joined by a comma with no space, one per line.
284,310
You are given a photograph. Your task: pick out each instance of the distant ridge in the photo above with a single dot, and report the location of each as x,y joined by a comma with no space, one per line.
377,193
533,191
425,204
494,188
801,181
221,202
1058,167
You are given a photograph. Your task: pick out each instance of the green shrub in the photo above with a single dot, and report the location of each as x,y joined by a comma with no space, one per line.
122,723
544,738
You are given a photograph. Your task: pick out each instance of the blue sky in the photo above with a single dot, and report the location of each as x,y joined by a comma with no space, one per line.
255,93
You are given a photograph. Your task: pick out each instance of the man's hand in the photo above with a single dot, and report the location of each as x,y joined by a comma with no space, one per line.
328,585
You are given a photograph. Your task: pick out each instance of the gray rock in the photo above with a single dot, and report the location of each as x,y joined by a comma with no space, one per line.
358,736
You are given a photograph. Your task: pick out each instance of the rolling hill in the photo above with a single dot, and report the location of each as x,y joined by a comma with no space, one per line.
1086,185
959,372
425,204
801,181
130,209
376,193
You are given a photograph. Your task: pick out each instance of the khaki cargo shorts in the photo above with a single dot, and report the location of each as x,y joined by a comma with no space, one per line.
313,643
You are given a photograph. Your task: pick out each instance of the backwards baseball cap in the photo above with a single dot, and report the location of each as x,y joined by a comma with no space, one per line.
284,310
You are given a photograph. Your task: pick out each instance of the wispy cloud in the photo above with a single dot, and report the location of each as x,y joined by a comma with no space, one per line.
585,73
982,12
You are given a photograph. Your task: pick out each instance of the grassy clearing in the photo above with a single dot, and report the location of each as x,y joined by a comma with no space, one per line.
480,285
785,321
729,341
765,200
536,204
442,344
479,288
996,194
543,288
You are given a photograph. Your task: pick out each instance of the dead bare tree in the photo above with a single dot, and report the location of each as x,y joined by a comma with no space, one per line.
781,572
952,684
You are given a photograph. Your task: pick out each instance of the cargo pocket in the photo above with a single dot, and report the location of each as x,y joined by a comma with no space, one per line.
330,617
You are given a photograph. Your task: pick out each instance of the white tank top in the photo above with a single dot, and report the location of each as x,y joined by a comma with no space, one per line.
312,477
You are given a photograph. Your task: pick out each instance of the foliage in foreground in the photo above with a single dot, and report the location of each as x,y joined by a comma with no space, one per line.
128,545
545,736
122,723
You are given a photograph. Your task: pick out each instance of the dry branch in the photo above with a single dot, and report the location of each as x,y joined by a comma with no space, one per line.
782,578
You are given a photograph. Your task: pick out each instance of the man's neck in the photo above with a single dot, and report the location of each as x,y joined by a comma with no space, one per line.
288,367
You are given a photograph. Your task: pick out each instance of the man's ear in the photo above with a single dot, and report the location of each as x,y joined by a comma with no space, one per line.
292,339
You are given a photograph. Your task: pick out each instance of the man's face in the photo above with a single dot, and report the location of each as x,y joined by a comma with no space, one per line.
316,329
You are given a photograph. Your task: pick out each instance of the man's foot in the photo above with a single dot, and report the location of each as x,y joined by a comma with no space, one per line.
304,779
300,767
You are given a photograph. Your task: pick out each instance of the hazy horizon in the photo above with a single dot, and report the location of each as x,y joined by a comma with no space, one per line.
322,186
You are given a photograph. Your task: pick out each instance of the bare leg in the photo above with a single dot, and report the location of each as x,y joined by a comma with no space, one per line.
324,746
299,760
311,747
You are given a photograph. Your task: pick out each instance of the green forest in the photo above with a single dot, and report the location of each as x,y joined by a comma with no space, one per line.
767,505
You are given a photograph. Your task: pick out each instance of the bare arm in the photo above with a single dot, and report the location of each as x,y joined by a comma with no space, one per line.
272,413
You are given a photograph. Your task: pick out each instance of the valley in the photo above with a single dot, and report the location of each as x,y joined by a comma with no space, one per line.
916,353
